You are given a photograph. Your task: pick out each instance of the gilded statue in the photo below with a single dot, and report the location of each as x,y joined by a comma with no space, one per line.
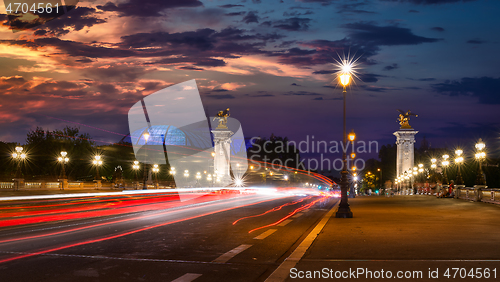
222,117
404,118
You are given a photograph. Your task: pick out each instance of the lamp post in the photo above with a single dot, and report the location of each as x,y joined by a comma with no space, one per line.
480,156
351,137
19,155
186,175
380,178
63,160
458,161
97,162
414,178
344,210
145,174
156,169
136,167
198,177
422,181
445,164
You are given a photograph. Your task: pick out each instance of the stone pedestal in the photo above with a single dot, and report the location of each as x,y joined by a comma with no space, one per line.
478,194
222,158
18,183
64,184
457,190
405,151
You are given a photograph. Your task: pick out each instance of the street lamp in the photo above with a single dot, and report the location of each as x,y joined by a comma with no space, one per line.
186,175
445,164
198,177
145,170
97,162
136,167
480,156
344,211
156,169
63,160
458,160
19,155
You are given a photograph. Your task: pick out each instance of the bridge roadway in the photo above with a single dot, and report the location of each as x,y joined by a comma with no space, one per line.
158,237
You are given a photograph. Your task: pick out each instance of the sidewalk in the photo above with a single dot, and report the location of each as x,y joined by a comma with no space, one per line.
409,233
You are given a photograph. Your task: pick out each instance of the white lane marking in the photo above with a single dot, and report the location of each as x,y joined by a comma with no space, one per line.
265,234
282,272
285,222
232,253
188,277
297,215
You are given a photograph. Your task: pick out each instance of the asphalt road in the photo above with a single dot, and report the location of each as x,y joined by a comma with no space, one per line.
154,237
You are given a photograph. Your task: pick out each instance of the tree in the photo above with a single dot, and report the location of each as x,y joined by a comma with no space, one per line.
387,156
44,147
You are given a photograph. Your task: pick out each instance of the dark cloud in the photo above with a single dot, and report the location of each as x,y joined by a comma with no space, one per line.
116,72
369,77
429,2
256,1
151,8
77,19
437,28
251,17
73,48
391,67
324,72
295,84
263,95
476,41
190,68
11,82
221,96
297,13
426,79
384,35
485,89
323,2
293,24
354,8
323,51
373,88
235,14
413,11
230,6
301,93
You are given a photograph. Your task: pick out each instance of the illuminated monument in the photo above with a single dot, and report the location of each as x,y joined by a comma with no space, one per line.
405,141
222,147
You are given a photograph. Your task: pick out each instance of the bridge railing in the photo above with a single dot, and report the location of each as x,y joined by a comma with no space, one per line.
478,193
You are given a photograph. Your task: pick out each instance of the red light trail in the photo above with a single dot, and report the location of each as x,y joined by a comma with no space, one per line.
136,230
304,207
274,209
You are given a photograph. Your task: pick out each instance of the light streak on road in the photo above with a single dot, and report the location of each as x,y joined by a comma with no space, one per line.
304,207
273,209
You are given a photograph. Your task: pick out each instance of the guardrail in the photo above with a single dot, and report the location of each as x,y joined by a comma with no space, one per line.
478,193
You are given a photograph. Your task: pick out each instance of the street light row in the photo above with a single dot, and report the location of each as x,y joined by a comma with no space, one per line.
480,156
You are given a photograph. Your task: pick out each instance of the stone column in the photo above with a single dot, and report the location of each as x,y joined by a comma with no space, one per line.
222,146
405,140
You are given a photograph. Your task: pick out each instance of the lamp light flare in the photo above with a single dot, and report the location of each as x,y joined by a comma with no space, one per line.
347,68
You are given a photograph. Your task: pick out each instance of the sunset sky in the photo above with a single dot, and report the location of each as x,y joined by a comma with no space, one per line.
271,62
